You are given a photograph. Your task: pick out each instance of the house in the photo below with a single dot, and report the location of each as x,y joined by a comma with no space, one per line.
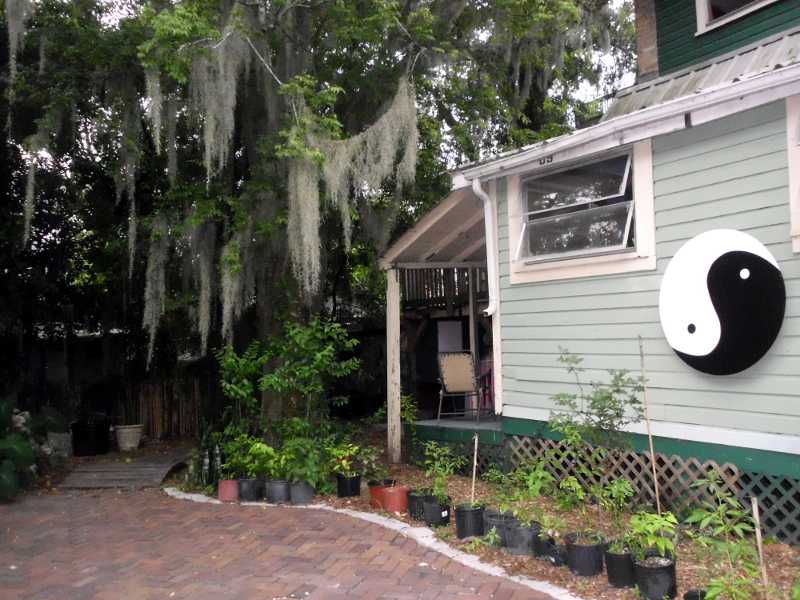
576,235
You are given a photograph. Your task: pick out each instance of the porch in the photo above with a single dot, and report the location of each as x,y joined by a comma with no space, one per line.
439,300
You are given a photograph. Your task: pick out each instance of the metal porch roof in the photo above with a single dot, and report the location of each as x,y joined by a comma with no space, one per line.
766,55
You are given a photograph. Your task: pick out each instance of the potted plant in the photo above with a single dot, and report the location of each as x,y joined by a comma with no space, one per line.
441,464
271,465
520,533
415,498
239,467
343,463
384,493
652,539
619,565
614,498
129,436
469,519
545,544
306,469
585,553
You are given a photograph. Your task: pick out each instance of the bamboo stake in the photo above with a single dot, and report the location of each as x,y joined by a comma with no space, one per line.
474,469
757,519
649,434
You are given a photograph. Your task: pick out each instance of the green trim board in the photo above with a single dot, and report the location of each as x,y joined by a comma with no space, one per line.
443,433
679,47
747,459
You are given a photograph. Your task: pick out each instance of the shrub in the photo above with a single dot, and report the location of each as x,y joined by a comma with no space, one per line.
441,464
652,531
16,454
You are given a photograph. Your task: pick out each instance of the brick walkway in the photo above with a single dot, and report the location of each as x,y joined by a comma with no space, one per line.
145,545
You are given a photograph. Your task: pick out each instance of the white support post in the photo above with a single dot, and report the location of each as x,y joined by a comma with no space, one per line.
394,429
473,332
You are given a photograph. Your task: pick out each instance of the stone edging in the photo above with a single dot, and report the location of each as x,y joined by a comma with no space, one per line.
422,535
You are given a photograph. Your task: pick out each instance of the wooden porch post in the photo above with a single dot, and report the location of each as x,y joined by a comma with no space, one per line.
473,331
394,429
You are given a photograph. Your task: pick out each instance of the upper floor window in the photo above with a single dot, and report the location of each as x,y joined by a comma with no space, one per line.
585,210
713,13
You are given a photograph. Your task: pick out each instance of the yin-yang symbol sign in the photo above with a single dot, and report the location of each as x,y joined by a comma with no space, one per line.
722,301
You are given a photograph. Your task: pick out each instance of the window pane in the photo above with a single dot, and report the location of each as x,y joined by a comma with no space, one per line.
581,184
720,8
593,229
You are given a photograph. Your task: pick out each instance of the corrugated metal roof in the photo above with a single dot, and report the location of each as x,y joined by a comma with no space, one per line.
767,55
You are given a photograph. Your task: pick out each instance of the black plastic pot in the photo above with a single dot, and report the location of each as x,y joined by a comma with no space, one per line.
500,521
415,509
695,595
301,492
519,537
542,545
620,570
435,513
584,557
347,487
277,491
656,582
469,520
250,490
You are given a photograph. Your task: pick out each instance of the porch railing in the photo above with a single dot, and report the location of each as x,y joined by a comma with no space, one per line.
441,287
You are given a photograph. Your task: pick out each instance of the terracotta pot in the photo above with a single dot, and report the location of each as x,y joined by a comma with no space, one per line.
228,490
389,498
128,437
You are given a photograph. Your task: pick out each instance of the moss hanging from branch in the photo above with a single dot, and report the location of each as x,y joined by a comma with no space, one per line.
363,162
213,82
172,148
30,201
230,266
127,167
155,290
152,80
203,245
17,11
303,224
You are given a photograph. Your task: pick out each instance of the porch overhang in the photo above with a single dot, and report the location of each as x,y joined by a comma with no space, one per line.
452,234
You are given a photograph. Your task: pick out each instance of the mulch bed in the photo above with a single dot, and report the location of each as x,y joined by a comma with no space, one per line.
694,565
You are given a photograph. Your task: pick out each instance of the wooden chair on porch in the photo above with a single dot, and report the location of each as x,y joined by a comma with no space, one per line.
458,378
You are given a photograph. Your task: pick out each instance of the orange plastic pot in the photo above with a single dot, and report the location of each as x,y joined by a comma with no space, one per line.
389,498
228,490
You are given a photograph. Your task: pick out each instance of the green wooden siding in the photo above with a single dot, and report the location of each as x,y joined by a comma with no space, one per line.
679,47
730,173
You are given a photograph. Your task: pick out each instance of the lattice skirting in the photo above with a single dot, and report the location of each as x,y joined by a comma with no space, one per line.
488,455
779,497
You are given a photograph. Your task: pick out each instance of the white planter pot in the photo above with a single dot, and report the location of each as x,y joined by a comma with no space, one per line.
128,437
61,443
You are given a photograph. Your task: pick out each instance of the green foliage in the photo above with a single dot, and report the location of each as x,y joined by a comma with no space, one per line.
441,464
16,454
490,539
372,465
264,460
344,457
494,474
531,479
652,531
599,414
724,517
796,590
571,494
239,376
552,526
238,462
724,527
614,498
309,358
307,460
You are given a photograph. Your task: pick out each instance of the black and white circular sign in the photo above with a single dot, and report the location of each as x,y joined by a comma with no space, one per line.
722,301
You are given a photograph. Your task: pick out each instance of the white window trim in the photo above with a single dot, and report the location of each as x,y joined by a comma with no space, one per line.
793,163
704,22
642,258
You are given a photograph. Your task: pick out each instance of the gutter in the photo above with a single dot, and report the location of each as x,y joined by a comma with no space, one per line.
491,245
674,115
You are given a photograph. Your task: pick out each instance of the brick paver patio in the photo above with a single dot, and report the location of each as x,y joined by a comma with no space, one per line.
145,545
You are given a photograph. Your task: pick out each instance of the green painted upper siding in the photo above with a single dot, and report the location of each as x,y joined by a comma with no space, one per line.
679,47
730,173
